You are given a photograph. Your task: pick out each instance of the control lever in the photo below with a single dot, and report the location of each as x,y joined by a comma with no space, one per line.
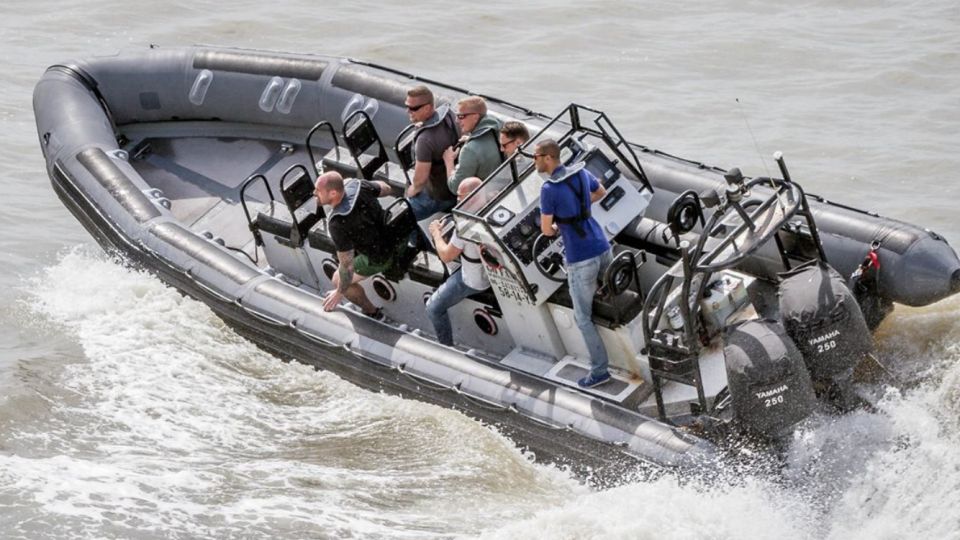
553,262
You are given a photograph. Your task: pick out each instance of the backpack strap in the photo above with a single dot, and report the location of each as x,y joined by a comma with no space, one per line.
582,196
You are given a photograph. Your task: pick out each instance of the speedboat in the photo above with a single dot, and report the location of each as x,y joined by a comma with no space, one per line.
734,306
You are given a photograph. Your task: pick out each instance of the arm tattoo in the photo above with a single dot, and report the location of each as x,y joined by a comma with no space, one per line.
345,269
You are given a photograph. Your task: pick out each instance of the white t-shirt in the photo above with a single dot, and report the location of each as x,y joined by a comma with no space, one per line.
473,273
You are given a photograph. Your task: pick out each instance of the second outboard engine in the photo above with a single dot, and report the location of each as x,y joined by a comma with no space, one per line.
822,316
769,385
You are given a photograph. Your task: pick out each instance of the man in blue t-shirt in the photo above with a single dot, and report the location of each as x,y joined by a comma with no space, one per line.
565,201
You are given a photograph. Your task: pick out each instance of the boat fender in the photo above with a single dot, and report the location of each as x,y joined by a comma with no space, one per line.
485,322
769,385
329,267
823,318
384,288
490,258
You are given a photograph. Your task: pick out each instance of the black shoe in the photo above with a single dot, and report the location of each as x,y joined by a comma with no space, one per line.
376,315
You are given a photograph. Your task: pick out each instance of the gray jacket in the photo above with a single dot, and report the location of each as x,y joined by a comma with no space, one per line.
480,155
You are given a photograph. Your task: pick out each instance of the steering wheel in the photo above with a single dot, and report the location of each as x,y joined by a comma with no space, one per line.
550,264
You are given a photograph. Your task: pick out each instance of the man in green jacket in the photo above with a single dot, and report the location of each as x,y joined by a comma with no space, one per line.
480,153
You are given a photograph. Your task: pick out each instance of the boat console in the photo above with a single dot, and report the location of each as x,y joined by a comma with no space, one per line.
526,268
503,215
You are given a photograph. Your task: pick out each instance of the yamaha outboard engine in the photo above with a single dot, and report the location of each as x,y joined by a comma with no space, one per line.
822,316
769,385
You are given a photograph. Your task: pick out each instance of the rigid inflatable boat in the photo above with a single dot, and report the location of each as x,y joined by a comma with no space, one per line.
733,305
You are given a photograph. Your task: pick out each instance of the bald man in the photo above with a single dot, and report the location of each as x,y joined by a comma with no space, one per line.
356,225
469,279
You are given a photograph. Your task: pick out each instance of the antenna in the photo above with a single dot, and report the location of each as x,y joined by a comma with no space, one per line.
757,147
754,138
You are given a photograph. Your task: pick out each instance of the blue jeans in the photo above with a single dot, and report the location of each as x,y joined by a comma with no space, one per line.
424,206
447,295
582,278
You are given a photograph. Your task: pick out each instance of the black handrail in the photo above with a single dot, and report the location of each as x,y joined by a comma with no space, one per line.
333,134
243,202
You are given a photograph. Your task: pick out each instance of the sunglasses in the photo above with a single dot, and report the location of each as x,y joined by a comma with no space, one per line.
503,144
461,116
414,108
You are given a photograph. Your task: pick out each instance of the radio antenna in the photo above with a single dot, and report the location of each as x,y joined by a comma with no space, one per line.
759,153
752,136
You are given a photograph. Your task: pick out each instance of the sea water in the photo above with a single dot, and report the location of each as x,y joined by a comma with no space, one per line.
129,411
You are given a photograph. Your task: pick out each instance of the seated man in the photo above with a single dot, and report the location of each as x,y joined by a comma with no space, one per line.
480,154
468,279
512,135
428,192
364,244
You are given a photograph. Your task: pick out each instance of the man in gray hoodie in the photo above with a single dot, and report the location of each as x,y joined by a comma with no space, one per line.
480,153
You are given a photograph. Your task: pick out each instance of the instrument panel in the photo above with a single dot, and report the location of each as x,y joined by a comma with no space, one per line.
515,219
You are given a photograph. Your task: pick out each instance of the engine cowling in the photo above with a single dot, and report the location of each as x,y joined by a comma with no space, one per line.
822,316
769,384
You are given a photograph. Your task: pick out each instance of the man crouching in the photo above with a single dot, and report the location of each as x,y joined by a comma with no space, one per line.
356,225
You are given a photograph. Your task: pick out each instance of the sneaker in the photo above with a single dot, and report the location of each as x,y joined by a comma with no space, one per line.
590,381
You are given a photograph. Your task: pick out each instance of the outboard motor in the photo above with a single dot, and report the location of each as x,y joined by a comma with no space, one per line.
770,387
822,316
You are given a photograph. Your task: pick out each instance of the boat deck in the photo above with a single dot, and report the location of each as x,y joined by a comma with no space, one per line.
202,178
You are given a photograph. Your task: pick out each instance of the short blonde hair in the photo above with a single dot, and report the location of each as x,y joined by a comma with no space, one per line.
475,104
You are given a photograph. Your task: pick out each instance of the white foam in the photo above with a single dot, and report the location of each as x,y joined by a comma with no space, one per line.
173,423
666,509
889,474
176,423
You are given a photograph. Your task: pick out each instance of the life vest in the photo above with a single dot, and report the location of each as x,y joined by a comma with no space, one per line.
442,116
571,175
488,130
351,192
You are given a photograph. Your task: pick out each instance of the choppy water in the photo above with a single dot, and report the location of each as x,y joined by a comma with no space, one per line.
129,411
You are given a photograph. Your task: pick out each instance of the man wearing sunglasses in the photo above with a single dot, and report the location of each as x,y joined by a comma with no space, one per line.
480,154
512,135
428,192
565,201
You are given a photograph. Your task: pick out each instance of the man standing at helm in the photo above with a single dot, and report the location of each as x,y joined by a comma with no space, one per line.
565,201
365,246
